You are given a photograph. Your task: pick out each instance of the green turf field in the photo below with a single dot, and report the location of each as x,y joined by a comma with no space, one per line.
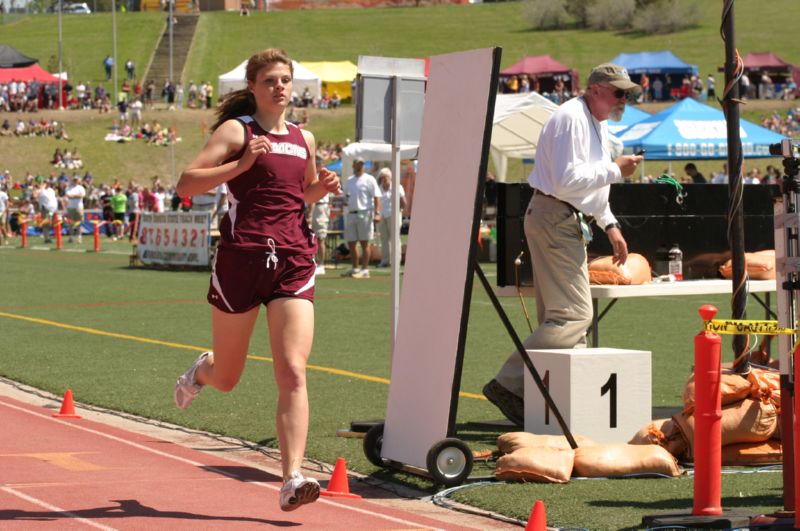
119,337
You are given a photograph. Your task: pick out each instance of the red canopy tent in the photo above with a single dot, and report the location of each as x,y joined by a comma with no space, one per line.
546,70
26,74
779,70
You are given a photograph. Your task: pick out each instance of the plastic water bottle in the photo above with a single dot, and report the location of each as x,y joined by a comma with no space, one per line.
675,262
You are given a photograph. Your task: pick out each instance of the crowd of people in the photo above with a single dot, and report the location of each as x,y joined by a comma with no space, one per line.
31,127
37,199
788,125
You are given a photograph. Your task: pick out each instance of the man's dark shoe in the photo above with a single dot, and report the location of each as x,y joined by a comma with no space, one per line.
507,402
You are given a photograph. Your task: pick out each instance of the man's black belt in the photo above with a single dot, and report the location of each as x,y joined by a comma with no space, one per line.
536,191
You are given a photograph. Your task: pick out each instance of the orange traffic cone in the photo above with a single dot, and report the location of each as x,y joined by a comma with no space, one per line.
339,486
67,407
537,520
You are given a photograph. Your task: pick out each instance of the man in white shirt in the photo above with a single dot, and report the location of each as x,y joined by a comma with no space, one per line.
571,180
361,212
385,223
48,204
3,215
75,194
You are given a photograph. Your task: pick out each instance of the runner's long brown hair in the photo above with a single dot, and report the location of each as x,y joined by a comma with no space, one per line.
241,102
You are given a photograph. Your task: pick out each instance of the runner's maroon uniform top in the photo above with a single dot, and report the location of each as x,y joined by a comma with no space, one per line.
267,208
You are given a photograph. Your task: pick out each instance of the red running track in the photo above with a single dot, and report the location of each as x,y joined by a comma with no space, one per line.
79,474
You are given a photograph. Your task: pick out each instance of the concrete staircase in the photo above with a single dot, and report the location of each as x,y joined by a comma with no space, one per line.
182,35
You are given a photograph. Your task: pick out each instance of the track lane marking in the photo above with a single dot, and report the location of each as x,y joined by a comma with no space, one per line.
94,331
199,465
53,508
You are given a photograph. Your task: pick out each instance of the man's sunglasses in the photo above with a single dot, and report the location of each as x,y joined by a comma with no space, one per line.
620,94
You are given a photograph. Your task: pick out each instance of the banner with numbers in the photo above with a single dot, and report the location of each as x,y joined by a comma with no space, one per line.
177,238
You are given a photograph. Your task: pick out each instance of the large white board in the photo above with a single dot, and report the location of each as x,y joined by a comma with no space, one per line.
431,303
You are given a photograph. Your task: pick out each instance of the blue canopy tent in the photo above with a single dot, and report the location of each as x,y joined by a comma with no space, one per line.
663,65
690,130
632,116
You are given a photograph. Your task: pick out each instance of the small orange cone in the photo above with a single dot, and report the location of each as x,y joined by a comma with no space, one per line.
339,486
538,519
67,407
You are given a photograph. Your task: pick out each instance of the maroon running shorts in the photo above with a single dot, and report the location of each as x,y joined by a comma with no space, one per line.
241,280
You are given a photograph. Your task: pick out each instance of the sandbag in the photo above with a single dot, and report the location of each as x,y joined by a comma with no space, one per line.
540,465
653,433
759,265
613,460
636,270
751,454
732,387
765,386
748,421
512,441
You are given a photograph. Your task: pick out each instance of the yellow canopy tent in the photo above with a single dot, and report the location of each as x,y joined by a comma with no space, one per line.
335,75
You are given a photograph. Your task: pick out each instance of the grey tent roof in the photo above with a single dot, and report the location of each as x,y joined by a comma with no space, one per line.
11,58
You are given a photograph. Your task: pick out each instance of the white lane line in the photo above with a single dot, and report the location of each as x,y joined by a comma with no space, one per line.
215,469
53,508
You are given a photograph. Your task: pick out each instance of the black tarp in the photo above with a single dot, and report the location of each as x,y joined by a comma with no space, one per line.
11,58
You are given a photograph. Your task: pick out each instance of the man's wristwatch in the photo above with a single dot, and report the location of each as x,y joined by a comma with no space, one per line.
614,225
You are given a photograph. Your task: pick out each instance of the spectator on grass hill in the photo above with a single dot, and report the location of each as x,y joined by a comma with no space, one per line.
265,254
108,64
362,211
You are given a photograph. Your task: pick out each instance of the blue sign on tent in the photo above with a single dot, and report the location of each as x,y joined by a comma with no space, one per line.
690,130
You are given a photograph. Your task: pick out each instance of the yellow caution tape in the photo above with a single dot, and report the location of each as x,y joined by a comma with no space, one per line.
742,327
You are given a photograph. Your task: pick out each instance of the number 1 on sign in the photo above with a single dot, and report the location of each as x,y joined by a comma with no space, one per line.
611,387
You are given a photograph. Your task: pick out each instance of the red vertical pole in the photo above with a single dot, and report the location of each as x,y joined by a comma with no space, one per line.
707,420
24,233
96,237
796,421
57,230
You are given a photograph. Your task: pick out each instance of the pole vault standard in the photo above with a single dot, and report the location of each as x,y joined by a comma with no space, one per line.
419,432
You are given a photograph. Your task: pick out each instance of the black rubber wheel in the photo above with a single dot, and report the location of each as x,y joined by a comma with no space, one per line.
373,441
449,462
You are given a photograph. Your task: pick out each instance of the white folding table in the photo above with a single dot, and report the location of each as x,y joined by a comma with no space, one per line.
662,289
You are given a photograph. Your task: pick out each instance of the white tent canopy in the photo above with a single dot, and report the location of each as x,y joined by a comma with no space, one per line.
303,78
518,121
372,151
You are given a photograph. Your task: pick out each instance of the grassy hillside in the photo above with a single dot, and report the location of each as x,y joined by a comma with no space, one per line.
86,40
223,40
226,39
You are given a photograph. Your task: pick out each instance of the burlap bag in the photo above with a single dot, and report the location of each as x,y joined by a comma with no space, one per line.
636,270
613,460
662,432
752,454
513,441
759,265
732,387
748,421
765,386
540,465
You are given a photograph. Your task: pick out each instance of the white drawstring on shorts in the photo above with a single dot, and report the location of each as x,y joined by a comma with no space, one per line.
272,256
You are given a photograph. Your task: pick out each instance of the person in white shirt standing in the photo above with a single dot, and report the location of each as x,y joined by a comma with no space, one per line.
362,211
4,214
48,204
75,194
385,223
571,182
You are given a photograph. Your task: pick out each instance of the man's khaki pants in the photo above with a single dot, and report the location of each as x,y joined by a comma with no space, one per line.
561,285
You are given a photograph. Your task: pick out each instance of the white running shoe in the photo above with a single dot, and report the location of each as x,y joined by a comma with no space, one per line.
297,491
351,272
320,270
187,388
364,273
